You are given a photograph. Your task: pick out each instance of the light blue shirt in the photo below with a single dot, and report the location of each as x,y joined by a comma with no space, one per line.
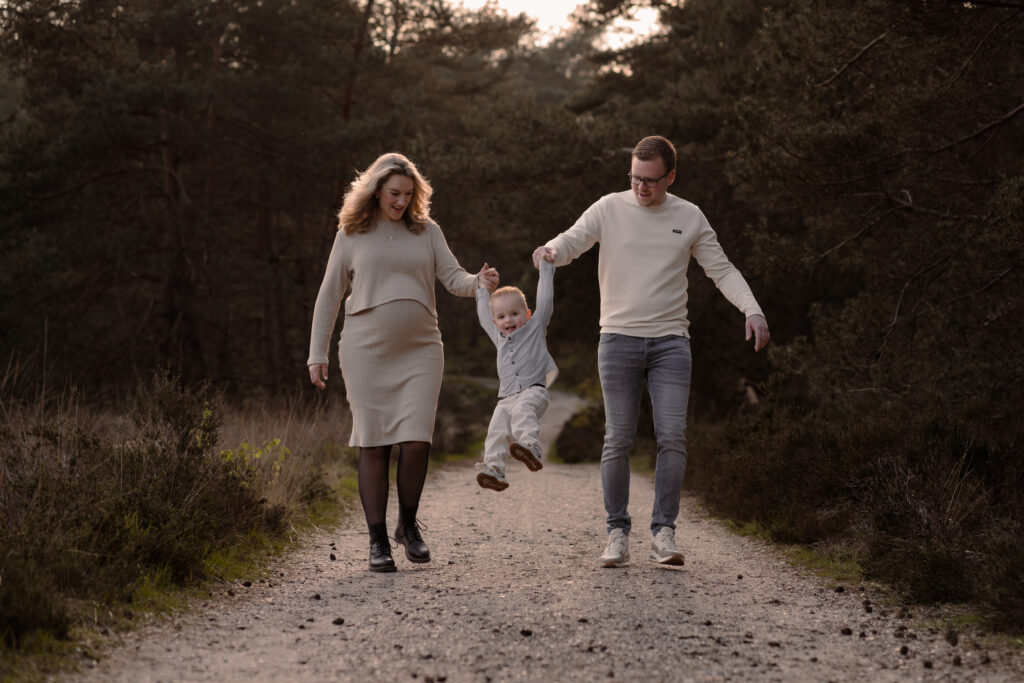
523,358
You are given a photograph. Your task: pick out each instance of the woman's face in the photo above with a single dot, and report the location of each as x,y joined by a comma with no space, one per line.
394,197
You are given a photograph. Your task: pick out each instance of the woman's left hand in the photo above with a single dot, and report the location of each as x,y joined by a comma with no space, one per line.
487,277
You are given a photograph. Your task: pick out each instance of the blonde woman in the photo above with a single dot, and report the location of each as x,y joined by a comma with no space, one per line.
389,251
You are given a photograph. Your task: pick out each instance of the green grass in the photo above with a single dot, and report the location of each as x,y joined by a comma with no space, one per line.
157,592
473,450
833,562
40,655
552,454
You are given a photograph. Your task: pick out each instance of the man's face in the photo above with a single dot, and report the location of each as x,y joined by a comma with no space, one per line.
509,313
649,181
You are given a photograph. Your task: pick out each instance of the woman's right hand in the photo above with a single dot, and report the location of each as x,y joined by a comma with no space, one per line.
487,278
318,375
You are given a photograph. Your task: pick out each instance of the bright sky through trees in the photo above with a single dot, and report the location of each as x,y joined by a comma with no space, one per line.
553,16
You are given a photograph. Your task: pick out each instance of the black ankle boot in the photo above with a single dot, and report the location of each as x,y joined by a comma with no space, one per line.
407,533
380,549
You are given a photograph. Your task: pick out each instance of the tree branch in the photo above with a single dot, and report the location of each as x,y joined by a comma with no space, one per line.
963,67
859,232
79,186
846,66
903,291
950,145
995,3
984,287
980,131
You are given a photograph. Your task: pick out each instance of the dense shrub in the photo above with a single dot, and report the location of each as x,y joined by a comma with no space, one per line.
582,437
87,511
925,506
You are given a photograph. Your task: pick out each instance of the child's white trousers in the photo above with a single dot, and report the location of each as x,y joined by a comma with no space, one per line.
516,418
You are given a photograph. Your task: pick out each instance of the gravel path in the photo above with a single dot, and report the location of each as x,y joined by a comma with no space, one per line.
514,592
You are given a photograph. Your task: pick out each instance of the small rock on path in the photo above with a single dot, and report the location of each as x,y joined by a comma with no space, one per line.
514,593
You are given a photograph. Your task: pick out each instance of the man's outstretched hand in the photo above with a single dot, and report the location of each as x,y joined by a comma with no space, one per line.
546,253
757,327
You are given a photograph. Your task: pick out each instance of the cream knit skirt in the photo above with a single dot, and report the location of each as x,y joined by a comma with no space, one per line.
391,360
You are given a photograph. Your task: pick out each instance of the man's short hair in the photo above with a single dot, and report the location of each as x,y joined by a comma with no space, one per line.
509,290
656,147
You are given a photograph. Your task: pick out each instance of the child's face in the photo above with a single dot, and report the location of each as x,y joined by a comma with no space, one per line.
509,312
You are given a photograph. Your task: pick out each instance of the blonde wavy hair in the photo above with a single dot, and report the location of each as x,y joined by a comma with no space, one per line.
359,210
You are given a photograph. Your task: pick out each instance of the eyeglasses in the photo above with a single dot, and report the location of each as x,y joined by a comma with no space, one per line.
646,182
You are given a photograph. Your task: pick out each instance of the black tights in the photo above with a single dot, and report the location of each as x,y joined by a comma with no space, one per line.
373,478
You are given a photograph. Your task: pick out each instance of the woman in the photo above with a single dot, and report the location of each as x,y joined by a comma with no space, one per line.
389,251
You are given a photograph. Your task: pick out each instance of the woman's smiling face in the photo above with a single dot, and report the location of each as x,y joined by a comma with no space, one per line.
394,197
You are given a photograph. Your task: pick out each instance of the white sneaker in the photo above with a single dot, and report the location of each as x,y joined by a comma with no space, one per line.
663,547
617,552
528,456
491,477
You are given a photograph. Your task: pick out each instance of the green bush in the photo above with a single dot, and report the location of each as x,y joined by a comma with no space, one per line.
87,512
464,409
582,437
924,506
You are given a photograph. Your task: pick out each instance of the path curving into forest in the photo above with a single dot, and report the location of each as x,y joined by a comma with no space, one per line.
514,592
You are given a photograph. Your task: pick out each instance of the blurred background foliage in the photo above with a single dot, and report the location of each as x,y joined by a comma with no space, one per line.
170,173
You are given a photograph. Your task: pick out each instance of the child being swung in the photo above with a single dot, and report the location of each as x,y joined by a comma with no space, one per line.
525,371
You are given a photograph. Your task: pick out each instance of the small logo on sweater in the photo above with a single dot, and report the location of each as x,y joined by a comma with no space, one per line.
677,231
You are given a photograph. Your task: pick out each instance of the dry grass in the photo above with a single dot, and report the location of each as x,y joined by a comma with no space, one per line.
96,503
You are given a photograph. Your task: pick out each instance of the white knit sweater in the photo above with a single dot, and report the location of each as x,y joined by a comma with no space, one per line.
385,264
645,252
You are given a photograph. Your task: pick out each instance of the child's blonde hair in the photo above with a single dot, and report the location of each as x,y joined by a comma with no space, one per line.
509,290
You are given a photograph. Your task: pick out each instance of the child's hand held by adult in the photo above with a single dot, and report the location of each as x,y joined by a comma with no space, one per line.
487,278
546,253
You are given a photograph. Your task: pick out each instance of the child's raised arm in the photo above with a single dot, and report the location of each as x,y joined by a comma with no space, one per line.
483,313
545,293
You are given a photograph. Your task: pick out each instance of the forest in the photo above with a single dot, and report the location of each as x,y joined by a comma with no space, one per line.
171,172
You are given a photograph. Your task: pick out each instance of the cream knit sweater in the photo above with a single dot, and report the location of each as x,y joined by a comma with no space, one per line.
645,252
386,264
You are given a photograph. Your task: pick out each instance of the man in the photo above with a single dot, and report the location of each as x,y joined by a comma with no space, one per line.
647,237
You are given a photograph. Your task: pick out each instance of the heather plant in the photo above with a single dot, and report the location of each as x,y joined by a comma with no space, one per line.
918,502
93,507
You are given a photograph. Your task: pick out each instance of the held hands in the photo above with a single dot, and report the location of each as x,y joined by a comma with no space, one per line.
758,327
318,375
487,278
546,253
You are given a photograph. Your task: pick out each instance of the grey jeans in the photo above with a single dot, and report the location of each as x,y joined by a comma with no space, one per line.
624,363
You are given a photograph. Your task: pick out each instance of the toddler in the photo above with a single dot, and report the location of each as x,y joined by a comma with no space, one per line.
525,371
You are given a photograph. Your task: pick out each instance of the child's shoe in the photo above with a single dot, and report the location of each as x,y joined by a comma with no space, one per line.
491,477
528,456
